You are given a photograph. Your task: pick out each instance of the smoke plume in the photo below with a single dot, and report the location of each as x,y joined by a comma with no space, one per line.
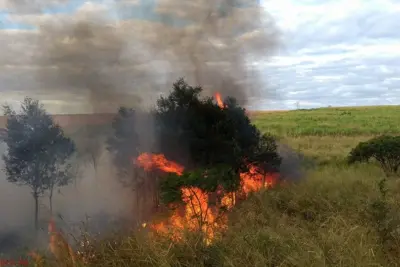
99,55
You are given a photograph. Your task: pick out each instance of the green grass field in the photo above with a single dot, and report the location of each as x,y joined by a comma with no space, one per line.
336,216
328,134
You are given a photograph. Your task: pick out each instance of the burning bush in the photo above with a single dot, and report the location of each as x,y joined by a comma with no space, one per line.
198,133
194,132
225,156
206,195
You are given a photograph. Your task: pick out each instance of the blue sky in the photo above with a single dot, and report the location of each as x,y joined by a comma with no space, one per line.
334,52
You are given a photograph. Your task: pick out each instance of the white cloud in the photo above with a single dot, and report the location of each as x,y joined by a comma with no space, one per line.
337,52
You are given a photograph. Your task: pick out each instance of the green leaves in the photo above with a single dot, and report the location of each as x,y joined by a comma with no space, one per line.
37,148
197,132
384,149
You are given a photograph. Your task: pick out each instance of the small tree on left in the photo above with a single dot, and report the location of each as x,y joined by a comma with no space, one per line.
37,151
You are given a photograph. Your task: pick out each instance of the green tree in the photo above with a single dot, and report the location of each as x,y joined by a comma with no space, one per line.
38,151
383,149
198,133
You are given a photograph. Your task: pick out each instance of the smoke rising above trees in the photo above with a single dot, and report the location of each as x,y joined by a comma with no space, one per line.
111,56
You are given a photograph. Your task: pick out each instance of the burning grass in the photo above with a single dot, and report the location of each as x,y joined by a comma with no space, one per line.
320,222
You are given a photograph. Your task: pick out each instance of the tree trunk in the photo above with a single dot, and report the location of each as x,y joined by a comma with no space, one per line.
36,197
51,201
94,165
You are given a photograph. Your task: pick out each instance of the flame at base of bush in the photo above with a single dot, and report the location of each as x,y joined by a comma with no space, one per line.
196,214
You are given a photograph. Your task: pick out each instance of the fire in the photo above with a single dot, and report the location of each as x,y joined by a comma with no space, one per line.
229,200
149,161
58,246
198,216
218,98
197,213
254,180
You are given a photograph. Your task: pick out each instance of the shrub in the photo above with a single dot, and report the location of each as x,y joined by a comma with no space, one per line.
384,149
197,133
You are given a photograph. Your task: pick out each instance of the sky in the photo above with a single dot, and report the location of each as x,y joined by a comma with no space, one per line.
333,53
337,52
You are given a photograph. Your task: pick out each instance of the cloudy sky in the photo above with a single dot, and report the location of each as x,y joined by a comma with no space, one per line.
333,52
337,52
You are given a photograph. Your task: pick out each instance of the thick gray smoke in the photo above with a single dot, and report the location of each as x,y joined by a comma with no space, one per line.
97,55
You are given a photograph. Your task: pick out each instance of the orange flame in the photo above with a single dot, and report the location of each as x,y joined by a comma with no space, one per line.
149,161
58,246
218,98
254,180
197,214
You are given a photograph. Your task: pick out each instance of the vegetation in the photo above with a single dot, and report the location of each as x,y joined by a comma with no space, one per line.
124,140
340,215
327,122
205,135
37,151
198,134
219,141
384,149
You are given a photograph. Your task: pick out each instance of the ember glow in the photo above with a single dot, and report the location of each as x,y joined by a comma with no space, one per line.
196,214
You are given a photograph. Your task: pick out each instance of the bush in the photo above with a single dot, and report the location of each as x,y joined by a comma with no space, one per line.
194,132
197,133
384,149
